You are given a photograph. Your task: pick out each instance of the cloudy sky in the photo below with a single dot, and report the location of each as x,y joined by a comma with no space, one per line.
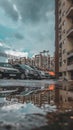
27,26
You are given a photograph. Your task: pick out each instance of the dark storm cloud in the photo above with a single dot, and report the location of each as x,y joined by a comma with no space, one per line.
8,8
33,10
30,10
19,36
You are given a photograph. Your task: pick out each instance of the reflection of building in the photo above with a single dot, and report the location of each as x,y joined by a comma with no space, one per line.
10,90
50,95
64,95
39,97
65,99
64,38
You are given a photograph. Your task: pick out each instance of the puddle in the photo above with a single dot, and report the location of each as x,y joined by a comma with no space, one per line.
49,107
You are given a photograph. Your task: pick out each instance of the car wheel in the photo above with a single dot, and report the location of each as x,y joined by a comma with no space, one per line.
22,76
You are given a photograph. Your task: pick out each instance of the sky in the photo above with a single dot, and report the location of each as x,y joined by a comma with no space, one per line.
27,26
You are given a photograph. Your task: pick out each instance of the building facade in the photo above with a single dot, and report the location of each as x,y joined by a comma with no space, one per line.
42,60
52,63
64,38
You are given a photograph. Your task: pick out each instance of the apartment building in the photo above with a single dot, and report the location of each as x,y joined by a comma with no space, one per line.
42,60
52,63
64,38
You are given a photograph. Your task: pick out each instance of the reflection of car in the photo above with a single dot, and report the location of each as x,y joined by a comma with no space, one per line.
6,70
26,71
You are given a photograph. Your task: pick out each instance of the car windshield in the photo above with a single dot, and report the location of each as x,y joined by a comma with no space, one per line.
5,65
26,67
42,72
34,67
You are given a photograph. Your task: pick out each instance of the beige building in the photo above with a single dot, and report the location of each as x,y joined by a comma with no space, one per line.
52,63
42,60
64,37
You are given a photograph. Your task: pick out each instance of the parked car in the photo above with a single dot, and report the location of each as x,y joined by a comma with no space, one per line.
47,76
40,74
6,70
26,71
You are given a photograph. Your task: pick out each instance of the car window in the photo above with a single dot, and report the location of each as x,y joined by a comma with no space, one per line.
16,66
42,72
6,65
29,67
26,67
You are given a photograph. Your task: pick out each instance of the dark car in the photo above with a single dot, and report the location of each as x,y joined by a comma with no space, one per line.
7,70
26,71
40,74
47,76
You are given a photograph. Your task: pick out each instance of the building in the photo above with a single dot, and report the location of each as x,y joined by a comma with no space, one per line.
5,57
14,60
56,41
42,60
52,63
64,38
38,60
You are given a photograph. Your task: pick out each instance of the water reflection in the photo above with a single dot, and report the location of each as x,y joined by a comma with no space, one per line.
38,107
51,95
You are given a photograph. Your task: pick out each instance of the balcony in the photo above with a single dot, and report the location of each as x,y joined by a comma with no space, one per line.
70,62
60,51
69,12
70,54
70,1
70,67
70,32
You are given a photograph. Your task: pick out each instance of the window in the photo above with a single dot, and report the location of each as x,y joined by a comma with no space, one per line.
64,61
60,45
60,64
63,14
64,73
63,22
64,51
64,31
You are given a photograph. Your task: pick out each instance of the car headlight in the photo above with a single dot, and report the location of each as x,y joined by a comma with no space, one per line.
27,71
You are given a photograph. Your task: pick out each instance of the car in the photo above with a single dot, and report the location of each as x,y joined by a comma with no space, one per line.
26,71
7,70
40,73
47,76
21,70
